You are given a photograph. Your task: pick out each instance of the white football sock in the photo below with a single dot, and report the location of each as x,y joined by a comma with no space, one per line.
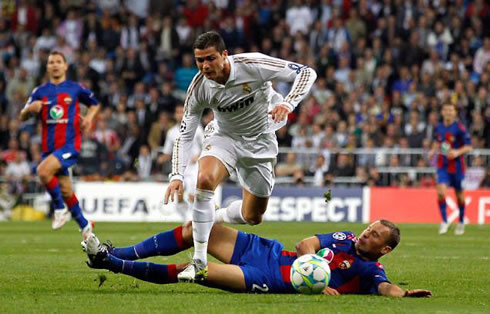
231,214
202,223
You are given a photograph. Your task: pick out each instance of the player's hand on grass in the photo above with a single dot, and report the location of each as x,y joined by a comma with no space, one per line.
280,112
418,293
330,291
175,186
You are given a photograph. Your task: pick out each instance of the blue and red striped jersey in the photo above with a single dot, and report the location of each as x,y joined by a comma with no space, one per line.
349,272
453,136
60,113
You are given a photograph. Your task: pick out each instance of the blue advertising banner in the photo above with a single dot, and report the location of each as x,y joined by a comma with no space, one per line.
308,204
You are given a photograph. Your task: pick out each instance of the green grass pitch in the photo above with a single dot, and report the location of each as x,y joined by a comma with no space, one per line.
44,271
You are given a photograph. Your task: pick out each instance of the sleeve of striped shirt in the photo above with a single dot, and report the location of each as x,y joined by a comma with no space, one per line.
33,97
274,69
183,144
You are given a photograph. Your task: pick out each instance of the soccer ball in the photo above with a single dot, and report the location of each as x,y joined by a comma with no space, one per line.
310,274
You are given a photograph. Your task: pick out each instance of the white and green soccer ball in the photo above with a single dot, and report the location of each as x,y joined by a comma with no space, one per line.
310,274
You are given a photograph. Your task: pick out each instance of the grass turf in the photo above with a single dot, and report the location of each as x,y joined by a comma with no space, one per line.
44,271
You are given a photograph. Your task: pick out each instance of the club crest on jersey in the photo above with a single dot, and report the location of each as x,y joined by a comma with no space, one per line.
345,264
208,147
67,100
246,88
339,236
56,112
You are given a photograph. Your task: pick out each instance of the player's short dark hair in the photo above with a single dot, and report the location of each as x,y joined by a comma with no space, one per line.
59,53
394,237
209,39
447,103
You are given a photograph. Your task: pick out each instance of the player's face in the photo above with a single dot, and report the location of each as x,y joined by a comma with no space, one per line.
56,67
372,241
211,63
448,113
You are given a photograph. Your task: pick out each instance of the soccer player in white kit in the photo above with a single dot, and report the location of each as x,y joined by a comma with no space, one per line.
190,175
241,142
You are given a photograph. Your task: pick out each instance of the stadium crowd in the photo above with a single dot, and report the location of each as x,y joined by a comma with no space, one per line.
384,69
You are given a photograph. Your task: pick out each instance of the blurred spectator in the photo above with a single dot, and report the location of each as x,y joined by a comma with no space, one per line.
156,137
144,162
184,74
288,167
474,175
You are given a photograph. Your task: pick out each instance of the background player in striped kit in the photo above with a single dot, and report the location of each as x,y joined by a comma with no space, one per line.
247,111
451,142
57,103
255,264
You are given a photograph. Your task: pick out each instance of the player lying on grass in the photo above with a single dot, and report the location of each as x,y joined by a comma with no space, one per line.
255,264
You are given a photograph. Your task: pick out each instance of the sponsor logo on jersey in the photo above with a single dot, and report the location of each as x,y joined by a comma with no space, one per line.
246,88
242,103
339,236
56,113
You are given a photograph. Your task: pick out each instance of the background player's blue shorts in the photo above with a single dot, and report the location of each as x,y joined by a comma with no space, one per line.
259,260
67,157
450,179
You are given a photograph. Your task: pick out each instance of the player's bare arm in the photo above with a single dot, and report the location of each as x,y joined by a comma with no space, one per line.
455,153
308,246
32,108
89,117
434,149
391,290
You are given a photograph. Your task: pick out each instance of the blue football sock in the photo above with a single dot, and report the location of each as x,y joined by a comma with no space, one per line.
76,211
461,212
162,244
442,208
53,188
155,273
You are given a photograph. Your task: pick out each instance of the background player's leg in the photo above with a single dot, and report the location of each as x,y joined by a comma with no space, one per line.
461,204
151,272
441,199
46,171
72,201
163,244
211,173
226,277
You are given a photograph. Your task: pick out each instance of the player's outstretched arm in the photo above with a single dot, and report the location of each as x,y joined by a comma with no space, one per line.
308,246
29,109
391,290
89,117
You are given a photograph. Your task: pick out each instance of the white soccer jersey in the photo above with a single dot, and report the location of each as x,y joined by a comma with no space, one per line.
240,106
